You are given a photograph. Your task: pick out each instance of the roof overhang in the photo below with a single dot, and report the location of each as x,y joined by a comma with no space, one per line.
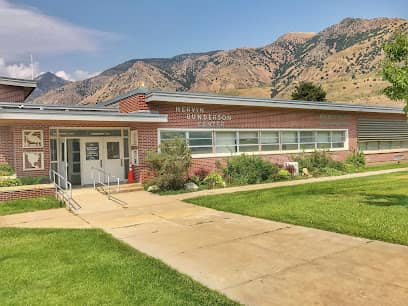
197,98
23,114
28,85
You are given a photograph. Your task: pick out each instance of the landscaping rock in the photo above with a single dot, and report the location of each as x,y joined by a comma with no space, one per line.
153,188
190,186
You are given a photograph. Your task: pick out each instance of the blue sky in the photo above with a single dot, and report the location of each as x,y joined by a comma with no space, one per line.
80,38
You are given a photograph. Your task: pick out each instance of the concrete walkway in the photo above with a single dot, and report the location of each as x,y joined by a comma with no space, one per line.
254,261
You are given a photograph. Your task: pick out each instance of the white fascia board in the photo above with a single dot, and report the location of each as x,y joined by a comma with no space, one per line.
238,101
61,116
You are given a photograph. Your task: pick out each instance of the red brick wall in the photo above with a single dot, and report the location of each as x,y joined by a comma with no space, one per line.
133,103
6,145
242,117
11,93
26,194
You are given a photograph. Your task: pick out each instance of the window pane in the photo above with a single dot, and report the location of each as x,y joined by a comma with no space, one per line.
172,134
200,134
248,137
126,147
289,137
338,145
53,146
113,150
201,150
307,146
269,137
323,145
307,137
225,138
338,136
372,145
248,148
404,144
362,146
200,142
323,137
225,149
270,147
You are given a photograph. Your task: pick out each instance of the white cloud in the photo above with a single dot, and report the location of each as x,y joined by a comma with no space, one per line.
18,70
25,30
77,75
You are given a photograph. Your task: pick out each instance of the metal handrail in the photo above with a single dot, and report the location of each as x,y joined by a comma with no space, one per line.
63,187
105,180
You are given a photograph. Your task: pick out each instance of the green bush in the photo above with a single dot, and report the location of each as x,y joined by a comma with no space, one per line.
284,174
6,170
10,183
357,159
26,180
318,163
214,180
170,165
246,169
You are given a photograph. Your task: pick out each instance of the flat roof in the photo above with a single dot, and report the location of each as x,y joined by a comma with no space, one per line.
202,98
28,85
208,98
18,111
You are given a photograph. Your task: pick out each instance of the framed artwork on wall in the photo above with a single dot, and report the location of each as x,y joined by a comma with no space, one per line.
33,138
33,161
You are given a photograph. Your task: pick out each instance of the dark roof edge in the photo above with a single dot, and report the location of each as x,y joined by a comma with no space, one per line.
18,82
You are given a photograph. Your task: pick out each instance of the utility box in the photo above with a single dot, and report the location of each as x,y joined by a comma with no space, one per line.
294,166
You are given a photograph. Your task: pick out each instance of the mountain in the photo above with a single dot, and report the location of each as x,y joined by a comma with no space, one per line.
345,58
46,82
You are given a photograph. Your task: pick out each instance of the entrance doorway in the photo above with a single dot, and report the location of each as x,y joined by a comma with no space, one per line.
103,154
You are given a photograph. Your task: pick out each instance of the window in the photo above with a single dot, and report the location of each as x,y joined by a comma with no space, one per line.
269,141
200,142
323,140
225,142
382,145
248,141
289,141
307,140
53,150
113,150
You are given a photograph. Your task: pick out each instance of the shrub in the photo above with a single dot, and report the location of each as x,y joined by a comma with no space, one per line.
26,180
10,182
357,159
6,170
284,174
214,180
201,173
318,162
244,169
170,164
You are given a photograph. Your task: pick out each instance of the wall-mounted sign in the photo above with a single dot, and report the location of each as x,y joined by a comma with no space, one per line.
92,150
203,118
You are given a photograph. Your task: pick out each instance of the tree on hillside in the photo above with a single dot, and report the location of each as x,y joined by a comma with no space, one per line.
395,68
308,91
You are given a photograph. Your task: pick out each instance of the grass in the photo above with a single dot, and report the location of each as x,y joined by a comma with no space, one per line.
373,207
26,205
386,166
89,267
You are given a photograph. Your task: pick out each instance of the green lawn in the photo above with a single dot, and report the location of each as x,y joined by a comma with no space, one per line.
19,206
374,207
386,166
89,267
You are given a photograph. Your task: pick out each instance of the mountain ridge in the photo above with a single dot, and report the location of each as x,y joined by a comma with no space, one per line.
345,58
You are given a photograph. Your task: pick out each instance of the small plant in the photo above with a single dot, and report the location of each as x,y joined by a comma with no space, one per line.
6,170
244,169
214,180
170,164
357,159
283,174
10,182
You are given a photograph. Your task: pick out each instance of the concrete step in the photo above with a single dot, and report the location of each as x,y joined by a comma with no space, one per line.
129,187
